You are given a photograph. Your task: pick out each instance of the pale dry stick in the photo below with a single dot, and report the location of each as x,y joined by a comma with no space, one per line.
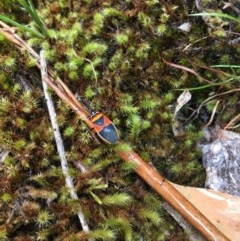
231,122
59,141
80,166
150,175
3,155
213,114
95,74
194,43
234,127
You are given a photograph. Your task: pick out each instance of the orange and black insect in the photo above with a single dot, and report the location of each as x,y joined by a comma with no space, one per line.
104,128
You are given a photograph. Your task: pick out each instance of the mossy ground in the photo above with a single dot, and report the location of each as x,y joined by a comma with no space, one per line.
112,54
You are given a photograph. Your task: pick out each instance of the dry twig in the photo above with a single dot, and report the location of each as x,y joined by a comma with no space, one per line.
59,141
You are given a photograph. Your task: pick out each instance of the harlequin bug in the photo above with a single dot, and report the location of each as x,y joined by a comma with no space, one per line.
104,128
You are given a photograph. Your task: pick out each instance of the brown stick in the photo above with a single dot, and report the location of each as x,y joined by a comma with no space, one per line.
173,196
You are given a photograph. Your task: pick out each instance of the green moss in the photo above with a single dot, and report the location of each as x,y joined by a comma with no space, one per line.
111,53
44,218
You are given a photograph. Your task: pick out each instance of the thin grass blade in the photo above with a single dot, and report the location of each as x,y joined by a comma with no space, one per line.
31,10
203,86
226,66
220,15
37,20
20,26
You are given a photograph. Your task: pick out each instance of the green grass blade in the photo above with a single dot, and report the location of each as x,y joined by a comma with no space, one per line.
20,26
203,86
216,14
225,66
38,20
27,8
31,10
25,5
231,67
